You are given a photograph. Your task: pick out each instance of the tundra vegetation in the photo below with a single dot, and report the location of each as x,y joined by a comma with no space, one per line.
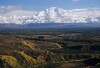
50,48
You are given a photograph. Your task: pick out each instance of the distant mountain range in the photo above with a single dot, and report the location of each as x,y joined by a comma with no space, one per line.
50,25
52,14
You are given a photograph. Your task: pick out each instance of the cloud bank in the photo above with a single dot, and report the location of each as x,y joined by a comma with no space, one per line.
11,14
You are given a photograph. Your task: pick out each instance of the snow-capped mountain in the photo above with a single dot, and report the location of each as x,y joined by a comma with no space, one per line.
53,14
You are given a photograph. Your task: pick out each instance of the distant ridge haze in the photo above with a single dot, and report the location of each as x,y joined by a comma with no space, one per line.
50,25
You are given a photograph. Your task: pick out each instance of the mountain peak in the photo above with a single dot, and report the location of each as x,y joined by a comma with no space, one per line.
52,14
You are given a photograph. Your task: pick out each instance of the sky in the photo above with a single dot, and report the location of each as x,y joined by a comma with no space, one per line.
43,4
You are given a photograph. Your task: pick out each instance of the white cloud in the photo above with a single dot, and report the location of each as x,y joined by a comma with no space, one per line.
5,9
75,0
